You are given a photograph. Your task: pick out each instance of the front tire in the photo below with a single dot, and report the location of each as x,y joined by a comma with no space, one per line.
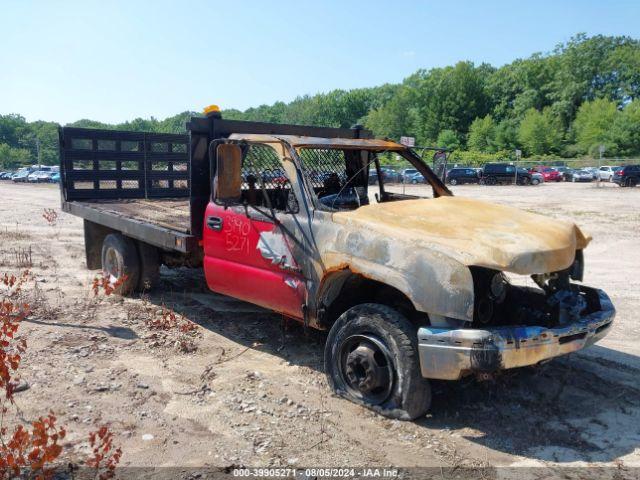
120,263
453,181
371,358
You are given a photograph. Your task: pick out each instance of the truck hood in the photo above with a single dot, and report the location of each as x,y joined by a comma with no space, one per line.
474,232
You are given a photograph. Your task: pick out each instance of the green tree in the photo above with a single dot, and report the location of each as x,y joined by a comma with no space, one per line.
396,118
450,98
482,135
448,139
506,136
12,158
540,133
593,124
625,131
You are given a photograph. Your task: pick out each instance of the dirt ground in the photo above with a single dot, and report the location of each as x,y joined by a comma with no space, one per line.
246,389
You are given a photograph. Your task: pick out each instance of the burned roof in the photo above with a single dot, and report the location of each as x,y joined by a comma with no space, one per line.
320,142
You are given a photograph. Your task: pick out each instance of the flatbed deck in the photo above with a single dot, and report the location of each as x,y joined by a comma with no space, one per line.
161,222
166,212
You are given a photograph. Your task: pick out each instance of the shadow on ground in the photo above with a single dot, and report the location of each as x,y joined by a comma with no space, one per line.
583,407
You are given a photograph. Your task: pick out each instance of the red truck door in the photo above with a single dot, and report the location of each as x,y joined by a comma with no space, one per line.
248,257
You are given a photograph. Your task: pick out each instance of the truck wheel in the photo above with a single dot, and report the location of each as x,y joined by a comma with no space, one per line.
371,358
453,181
120,262
491,181
149,266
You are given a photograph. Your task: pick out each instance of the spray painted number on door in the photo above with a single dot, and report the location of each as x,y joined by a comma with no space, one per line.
236,238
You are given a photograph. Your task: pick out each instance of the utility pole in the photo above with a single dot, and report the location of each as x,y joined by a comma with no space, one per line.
601,149
38,150
518,157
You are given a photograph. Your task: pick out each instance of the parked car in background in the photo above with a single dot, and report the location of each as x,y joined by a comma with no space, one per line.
564,171
494,173
390,175
417,178
594,172
549,174
32,177
461,175
567,174
605,172
406,174
44,177
21,175
627,176
581,176
55,177
537,178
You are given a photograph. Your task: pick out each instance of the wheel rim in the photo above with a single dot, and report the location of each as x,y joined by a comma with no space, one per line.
111,263
366,367
453,181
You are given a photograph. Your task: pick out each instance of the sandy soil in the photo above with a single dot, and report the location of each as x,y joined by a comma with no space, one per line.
246,389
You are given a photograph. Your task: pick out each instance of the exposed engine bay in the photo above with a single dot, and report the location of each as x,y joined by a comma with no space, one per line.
553,302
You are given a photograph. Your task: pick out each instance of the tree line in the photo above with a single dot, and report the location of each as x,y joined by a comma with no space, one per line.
564,103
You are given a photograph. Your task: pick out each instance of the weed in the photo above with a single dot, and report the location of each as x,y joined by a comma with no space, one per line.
104,458
166,319
106,283
32,451
19,257
50,215
11,349
13,235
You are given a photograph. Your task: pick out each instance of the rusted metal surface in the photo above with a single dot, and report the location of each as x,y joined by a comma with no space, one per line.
422,247
474,232
317,142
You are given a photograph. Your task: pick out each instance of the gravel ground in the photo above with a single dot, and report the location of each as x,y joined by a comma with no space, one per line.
247,389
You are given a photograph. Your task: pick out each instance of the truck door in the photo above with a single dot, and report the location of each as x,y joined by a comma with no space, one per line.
247,255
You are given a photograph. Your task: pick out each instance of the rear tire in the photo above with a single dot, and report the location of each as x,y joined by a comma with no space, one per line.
149,266
491,181
371,358
453,181
535,181
120,263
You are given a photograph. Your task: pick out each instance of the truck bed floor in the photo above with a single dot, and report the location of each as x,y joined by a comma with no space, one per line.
171,213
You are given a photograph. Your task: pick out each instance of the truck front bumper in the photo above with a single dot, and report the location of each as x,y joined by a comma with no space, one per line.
449,354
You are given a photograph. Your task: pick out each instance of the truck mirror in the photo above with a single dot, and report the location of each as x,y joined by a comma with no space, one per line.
228,180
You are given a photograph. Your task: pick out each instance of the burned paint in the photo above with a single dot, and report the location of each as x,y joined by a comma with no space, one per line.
474,232
320,142
423,248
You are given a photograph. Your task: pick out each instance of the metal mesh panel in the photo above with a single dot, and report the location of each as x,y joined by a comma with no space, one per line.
319,165
261,165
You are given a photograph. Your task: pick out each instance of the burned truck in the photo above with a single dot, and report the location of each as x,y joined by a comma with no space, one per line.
410,288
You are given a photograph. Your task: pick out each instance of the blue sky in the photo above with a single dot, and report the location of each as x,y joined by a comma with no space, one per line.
117,60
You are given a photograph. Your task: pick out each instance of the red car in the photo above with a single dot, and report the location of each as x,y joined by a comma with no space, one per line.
549,174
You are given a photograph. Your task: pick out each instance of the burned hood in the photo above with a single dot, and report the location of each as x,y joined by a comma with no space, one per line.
473,232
